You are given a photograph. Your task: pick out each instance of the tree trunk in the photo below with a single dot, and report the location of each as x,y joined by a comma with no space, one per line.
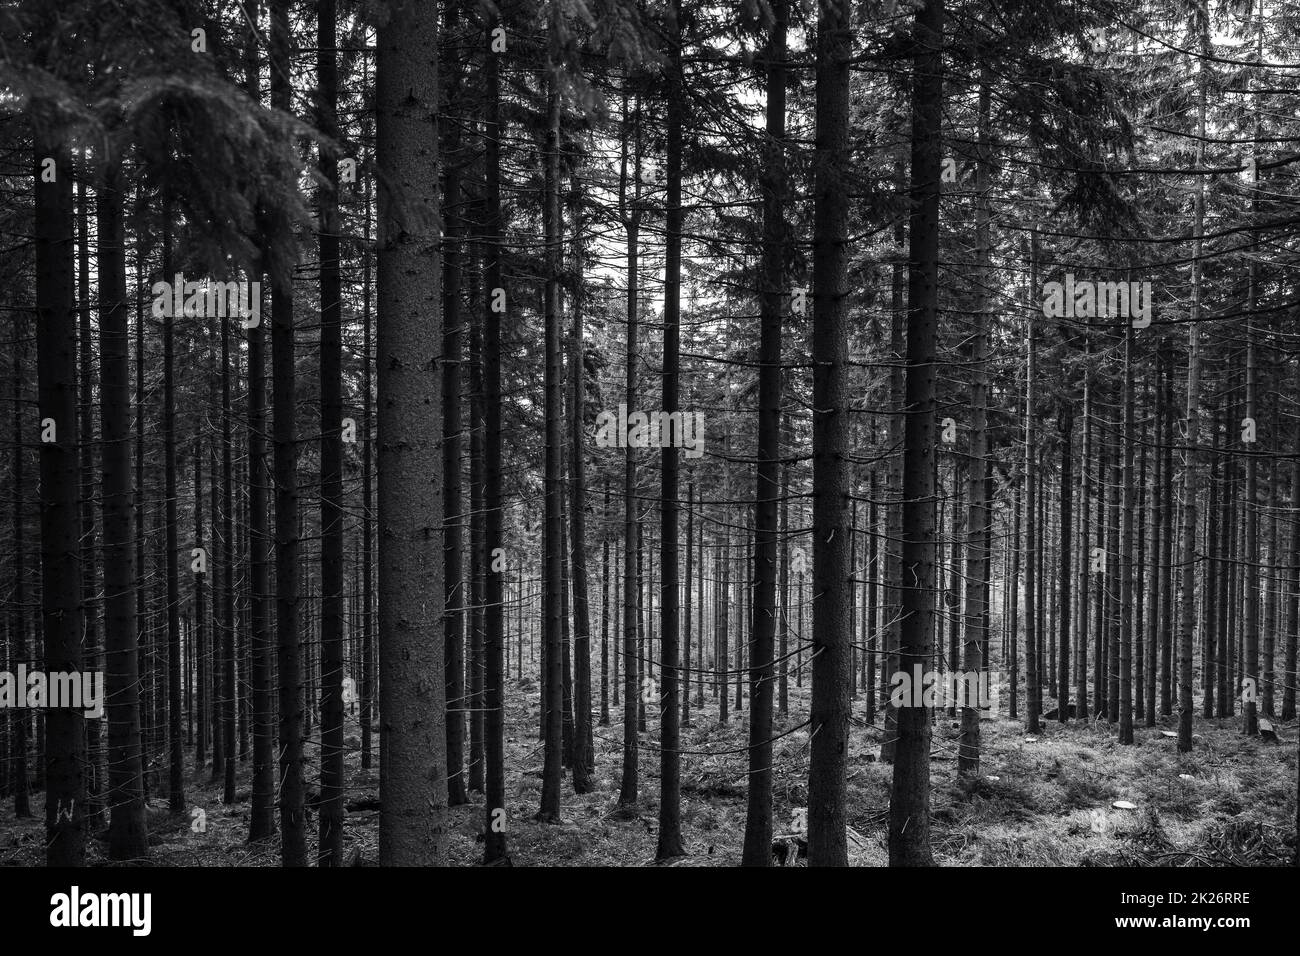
330,849
977,518
293,822
909,817
18,609
367,502
89,566
763,609
553,556
61,607
413,750
494,804
1187,584
1031,511
127,834
1126,550
584,756
175,748
831,659
627,794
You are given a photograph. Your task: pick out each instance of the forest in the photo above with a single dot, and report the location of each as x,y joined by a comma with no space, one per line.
603,433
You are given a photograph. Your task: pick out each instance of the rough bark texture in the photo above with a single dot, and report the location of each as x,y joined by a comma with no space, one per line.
127,834
413,742
832,576
909,817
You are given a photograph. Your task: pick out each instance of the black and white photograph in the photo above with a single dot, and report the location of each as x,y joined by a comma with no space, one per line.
589,434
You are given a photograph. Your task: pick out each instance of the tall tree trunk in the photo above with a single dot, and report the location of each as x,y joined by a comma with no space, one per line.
293,822
413,750
175,748
1013,626
762,626
1212,644
584,755
1084,532
18,609
229,551
127,833
494,844
1250,517
831,660
604,613
1187,584
262,634
1065,429
894,484
452,498
909,816
330,849
1032,683
1158,511
553,554
61,607
95,757
1293,583
1168,519
1126,549
686,607
670,797
631,216
367,501
261,825
977,519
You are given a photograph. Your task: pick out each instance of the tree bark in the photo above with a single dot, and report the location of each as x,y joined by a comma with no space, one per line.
61,607
413,748
330,849
1187,584
127,832
832,576
494,843
293,822
762,625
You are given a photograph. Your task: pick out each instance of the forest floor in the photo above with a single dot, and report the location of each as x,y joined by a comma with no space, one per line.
1039,801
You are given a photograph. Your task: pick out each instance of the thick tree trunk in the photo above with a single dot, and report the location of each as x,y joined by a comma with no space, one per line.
127,834
763,611
894,485
293,822
261,825
61,607
831,659
413,748
95,757
909,816
453,335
